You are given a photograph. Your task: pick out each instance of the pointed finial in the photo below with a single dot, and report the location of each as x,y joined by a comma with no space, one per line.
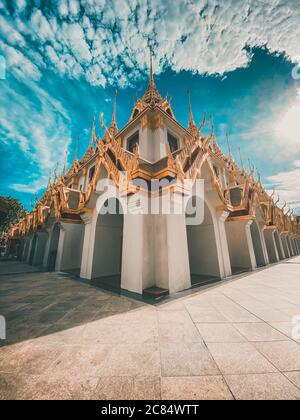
93,132
191,118
241,159
228,144
77,148
151,64
114,117
65,163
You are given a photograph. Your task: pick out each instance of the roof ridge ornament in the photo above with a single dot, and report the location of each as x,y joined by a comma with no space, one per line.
151,96
113,128
191,117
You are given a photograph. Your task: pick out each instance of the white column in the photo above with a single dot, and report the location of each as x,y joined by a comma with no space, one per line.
240,244
28,252
47,248
261,228
280,249
271,245
88,246
42,237
222,244
285,245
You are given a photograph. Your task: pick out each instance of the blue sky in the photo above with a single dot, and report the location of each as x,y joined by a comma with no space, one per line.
65,58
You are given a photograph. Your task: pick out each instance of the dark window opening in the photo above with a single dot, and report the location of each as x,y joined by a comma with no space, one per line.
91,173
135,114
133,141
173,143
112,156
217,172
169,112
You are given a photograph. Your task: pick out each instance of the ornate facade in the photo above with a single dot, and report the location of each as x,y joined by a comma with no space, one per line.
243,227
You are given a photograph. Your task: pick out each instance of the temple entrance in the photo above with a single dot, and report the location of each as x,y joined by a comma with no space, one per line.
257,245
202,248
107,260
32,249
53,248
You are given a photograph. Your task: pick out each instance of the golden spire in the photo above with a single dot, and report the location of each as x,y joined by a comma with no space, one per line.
92,132
65,164
151,79
241,159
228,144
113,125
151,95
191,117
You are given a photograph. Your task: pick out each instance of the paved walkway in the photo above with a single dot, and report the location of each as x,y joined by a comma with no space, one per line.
69,340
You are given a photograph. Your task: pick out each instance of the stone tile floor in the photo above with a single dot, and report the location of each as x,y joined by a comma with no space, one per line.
67,340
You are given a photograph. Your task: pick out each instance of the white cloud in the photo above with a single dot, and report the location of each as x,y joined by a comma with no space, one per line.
39,126
200,36
287,186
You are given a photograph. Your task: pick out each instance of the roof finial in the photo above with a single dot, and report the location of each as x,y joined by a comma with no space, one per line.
151,65
241,159
77,148
228,144
65,163
113,128
93,132
191,117
114,117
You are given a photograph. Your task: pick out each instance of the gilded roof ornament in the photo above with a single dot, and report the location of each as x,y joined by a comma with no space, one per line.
113,128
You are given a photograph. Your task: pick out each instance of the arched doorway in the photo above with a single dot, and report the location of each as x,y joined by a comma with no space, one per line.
202,249
53,247
257,244
107,258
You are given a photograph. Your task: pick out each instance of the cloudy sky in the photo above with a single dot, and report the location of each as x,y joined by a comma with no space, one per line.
60,61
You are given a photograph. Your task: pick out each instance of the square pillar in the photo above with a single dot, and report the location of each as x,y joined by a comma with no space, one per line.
42,238
283,237
240,245
271,244
222,244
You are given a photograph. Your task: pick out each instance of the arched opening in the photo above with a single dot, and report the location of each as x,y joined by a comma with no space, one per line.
202,247
107,259
53,247
279,245
257,245
32,249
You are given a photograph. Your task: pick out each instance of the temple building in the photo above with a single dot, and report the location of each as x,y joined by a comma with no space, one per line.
243,227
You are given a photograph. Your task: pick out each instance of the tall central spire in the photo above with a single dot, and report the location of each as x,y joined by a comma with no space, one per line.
191,117
113,128
152,83
151,95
